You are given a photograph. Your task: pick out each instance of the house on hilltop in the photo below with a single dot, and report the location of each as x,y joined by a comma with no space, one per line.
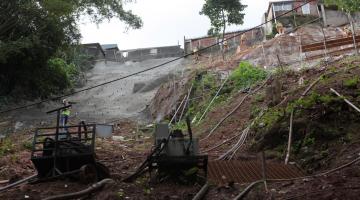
112,52
289,19
314,11
93,50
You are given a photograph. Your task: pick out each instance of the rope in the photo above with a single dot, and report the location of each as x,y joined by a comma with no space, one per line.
235,109
213,99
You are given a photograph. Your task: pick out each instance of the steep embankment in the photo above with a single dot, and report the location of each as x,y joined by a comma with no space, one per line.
325,128
286,49
126,98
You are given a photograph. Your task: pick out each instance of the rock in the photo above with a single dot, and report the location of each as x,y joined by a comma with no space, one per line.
282,192
18,125
118,138
5,123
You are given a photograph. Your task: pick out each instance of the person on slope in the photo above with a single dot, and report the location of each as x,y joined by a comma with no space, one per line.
64,115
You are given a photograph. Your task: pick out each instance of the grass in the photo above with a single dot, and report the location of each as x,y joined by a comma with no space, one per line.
351,83
6,146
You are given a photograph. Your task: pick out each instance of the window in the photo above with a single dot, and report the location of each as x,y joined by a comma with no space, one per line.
306,9
282,6
153,51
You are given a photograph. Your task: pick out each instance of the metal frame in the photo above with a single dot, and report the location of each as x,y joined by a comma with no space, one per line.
81,145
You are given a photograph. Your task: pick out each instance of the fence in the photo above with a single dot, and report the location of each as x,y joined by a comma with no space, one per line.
310,41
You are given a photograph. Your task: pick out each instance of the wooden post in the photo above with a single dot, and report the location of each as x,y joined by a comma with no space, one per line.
300,49
325,48
137,134
185,49
264,55
280,64
263,162
353,33
290,137
323,12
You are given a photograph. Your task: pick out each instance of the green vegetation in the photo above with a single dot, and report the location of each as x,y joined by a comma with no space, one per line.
352,82
35,34
242,77
322,123
206,85
271,117
27,145
349,6
246,75
313,100
6,146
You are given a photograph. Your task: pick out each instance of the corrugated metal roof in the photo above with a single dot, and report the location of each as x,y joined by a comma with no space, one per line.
109,46
223,172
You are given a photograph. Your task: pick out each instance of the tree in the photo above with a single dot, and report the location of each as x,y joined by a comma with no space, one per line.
222,13
349,6
33,32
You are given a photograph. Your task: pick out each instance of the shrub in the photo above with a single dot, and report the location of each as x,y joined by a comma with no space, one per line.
63,76
351,83
246,75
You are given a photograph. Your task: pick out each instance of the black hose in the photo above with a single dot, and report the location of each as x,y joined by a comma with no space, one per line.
155,153
18,183
202,192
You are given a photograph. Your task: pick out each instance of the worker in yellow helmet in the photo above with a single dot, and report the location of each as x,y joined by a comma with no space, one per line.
65,114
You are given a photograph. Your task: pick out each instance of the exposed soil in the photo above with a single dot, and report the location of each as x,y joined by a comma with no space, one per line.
132,143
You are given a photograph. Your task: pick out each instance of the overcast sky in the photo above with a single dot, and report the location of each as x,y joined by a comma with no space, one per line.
166,22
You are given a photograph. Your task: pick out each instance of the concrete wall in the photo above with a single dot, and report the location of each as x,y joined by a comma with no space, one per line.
152,53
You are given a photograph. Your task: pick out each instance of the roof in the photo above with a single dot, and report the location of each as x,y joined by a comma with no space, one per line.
109,46
97,45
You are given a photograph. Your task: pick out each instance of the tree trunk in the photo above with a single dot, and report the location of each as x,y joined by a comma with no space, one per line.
223,35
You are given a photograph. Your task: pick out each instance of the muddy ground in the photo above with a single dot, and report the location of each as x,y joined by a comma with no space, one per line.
122,155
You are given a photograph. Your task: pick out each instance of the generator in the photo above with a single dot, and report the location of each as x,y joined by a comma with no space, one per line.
179,156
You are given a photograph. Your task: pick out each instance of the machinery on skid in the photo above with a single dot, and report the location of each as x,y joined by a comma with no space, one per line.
58,153
174,154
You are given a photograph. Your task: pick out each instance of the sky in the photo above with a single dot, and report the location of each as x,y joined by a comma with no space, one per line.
166,22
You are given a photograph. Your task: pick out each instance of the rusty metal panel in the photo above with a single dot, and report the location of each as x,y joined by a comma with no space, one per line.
224,172
341,41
